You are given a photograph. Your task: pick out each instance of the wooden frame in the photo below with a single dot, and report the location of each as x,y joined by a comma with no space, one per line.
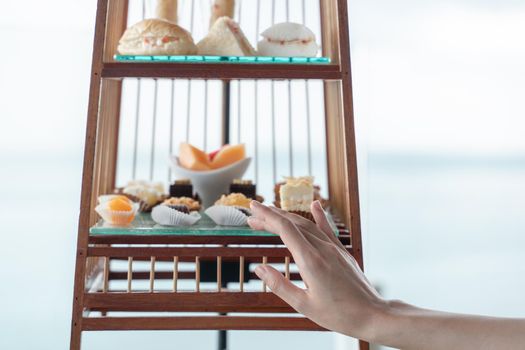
93,290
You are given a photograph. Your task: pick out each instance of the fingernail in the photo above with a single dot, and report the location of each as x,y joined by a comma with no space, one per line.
260,271
254,204
318,204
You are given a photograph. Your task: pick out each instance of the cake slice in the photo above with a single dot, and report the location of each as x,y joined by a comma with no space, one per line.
225,38
181,188
297,195
246,187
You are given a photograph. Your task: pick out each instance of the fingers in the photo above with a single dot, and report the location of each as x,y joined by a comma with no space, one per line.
309,228
265,219
283,288
322,221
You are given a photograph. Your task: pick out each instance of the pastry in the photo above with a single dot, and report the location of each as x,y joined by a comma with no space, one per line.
156,37
150,194
181,208
317,195
246,187
166,9
174,215
191,203
221,8
287,40
296,195
234,200
192,158
225,38
116,210
181,188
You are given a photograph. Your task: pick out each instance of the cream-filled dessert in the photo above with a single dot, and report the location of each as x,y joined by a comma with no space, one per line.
225,38
288,39
297,194
149,193
156,37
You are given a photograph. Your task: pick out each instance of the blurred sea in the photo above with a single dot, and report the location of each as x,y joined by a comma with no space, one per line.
440,232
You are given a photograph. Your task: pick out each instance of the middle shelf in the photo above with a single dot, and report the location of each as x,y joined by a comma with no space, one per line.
221,71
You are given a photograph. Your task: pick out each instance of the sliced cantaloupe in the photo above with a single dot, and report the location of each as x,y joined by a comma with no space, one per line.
228,155
192,158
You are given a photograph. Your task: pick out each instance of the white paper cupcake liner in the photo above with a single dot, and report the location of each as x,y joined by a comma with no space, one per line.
227,215
166,216
115,217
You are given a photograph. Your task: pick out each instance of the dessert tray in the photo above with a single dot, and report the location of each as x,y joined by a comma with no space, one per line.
144,225
223,59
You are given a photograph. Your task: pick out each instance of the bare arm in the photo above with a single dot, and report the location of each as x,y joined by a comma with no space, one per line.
340,298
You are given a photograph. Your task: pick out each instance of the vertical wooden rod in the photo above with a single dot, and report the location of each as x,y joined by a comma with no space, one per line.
130,273
205,145
152,275
172,109
153,131
287,267
219,273
175,273
264,262
106,275
241,273
197,274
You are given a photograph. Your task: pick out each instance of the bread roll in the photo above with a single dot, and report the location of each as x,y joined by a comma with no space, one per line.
225,39
167,9
156,37
221,8
288,40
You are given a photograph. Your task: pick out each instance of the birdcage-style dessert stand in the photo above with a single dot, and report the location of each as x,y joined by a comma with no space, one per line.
220,261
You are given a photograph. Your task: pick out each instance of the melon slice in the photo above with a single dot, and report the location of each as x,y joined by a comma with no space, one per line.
228,155
192,158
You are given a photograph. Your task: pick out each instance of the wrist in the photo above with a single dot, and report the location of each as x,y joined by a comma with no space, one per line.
386,325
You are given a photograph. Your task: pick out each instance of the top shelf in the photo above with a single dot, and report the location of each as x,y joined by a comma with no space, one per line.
214,67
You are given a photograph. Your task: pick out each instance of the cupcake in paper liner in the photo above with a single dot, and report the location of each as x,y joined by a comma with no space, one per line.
228,215
148,194
117,210
176,215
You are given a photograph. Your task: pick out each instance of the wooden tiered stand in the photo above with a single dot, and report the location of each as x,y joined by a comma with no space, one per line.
94,301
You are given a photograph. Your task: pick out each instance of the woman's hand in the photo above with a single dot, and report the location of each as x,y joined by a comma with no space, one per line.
338,295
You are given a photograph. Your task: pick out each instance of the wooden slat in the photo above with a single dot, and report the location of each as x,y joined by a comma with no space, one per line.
152,275
221,71
197,274
125,252
164,239
175,274
188,253
200,323
81,267
129,274
202,301
116,24
181,275
241,273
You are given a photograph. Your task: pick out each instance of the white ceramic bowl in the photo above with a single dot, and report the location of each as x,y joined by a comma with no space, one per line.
211,184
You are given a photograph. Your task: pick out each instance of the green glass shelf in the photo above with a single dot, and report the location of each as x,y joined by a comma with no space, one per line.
223,59
144,225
